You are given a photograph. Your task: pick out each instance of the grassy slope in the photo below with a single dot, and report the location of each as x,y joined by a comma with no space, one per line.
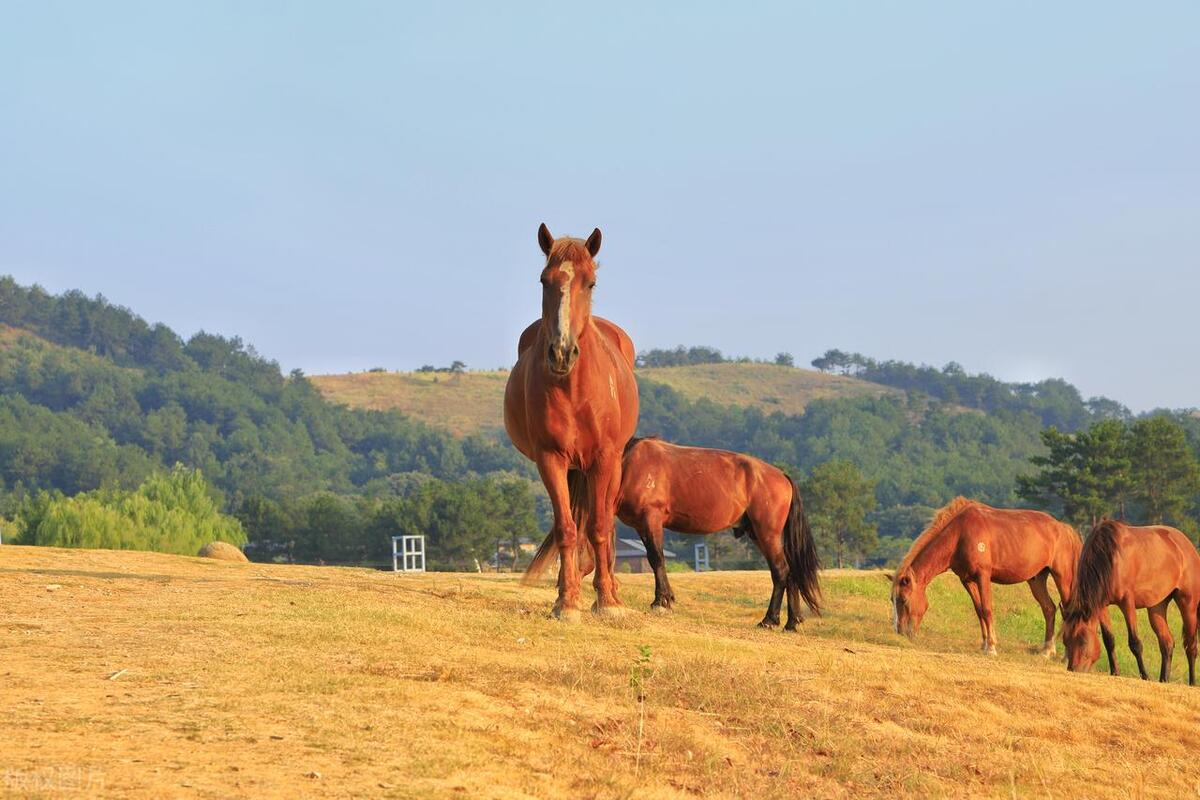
474,401
258,680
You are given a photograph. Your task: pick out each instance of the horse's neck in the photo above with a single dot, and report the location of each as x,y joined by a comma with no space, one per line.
594,344
934,558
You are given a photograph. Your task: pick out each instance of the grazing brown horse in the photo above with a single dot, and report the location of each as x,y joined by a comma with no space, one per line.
1133,568
984,545
702,491
570,406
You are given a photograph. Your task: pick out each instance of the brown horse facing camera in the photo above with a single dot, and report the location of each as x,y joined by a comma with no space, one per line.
1132,568
701,491
570,406
984,545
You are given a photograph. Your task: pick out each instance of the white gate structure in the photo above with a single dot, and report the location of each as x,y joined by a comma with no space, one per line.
701,558
408,553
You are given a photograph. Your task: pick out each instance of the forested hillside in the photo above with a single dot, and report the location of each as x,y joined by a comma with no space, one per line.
94,399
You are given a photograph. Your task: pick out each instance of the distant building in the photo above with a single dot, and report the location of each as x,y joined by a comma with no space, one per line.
632,552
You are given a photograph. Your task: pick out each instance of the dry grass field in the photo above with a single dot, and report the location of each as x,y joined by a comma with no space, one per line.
474,401
765,386
464,404
142,675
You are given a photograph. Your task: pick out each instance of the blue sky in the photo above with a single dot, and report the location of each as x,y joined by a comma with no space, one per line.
1015,187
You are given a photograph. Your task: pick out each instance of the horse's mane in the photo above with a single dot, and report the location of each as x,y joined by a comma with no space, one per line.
1093,579
633,442
941,519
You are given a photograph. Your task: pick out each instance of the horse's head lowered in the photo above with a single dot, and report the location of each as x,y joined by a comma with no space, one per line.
909,603
1079,637
567,282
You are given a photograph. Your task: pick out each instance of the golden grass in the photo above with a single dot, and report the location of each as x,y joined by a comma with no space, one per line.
474,401
466,403
766,386
253,680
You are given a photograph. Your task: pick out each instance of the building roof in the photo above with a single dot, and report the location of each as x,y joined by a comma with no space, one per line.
633,548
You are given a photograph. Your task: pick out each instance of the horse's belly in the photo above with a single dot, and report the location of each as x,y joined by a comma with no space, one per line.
699,521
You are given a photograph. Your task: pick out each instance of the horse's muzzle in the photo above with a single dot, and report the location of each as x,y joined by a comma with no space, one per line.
561,357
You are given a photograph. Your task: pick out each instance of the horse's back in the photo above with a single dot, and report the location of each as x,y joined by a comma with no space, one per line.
700,489
1011,544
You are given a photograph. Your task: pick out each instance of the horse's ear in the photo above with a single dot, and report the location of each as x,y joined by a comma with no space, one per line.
593,242
889,577
545,240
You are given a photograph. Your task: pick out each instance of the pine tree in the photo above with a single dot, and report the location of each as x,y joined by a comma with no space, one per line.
1166,475
837,499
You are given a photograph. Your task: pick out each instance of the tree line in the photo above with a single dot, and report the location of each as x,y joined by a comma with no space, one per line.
1145,471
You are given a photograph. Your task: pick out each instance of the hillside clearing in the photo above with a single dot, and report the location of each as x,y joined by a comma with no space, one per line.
467,403
138,674
474,401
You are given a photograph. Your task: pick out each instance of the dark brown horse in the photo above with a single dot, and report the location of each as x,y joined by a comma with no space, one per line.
984,545
701,491
570,406
1133,568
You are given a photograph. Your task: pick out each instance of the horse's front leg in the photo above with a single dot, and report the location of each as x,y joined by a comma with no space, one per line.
1135,642
604,482
976,600
553,469
1110,642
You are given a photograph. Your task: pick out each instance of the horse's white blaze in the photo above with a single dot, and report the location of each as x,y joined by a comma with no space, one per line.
564,305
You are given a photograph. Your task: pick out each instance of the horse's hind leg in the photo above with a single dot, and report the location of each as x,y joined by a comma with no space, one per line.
651,533
773,552
1037,584
1188,610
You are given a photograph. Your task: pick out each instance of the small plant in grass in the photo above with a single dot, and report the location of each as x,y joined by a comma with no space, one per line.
639,674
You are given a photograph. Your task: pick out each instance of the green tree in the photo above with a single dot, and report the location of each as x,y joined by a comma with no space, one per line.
171,512
1086,476
1166,476
838,499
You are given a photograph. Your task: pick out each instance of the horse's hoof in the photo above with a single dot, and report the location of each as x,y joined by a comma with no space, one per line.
766,623
1048,651
660,609
991,651
789,628
610,612
571,616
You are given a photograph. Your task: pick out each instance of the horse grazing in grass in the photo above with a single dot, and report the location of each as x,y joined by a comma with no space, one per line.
570,406
984,545
1133,568
702,491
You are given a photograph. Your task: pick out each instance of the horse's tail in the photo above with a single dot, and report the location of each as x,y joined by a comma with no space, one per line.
548,549
801,553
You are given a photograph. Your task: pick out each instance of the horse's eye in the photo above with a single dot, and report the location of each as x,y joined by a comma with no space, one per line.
592,285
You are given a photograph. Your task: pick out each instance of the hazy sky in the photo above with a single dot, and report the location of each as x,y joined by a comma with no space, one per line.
344,185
